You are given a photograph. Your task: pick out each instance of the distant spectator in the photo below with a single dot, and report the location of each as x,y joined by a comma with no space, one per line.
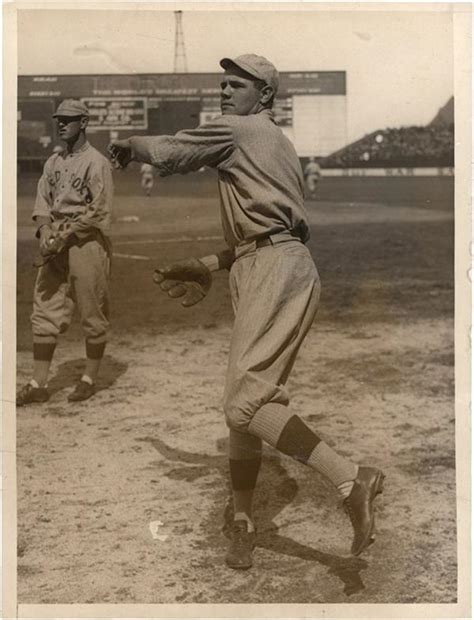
312,174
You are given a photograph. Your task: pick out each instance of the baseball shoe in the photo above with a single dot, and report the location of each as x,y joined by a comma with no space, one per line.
359,505
30,394
82,391
242,543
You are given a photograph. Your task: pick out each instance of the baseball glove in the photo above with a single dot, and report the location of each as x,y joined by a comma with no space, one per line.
49,250
120,154
189,279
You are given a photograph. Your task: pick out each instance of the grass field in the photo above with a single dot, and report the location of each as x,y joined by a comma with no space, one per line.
375,378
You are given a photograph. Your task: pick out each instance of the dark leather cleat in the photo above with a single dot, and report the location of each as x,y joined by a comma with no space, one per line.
360,507
82,391
30,394
239,554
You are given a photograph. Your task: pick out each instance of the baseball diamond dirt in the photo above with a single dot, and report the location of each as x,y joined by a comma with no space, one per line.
124,498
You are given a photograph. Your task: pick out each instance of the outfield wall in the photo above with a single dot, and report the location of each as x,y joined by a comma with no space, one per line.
310,108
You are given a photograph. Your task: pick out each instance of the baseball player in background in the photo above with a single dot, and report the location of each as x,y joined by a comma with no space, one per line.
274,287
312,174
72,213
146,171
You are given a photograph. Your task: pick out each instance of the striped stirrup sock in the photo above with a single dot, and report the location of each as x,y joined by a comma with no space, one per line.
290,435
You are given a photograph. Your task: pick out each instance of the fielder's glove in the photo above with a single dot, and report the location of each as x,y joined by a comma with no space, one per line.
189,279
54,245
49,248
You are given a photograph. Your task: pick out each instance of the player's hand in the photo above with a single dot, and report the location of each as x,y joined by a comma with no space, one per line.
120,153
45,234
189,279
51,245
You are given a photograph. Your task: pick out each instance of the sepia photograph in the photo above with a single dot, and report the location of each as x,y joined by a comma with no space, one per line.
237,328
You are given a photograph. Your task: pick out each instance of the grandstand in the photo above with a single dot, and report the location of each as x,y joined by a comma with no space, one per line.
409,147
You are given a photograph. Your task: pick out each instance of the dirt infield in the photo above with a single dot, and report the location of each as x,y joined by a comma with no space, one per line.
124,498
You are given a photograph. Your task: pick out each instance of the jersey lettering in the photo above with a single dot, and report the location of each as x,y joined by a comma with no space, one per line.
79,184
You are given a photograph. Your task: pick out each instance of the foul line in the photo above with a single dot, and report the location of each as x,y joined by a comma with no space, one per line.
132,256
168,240
150,241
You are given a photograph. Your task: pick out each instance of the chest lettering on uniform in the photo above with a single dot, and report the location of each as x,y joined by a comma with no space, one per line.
54,180
79,184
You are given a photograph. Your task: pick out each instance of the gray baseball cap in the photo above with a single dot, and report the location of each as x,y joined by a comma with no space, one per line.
71,107
256,66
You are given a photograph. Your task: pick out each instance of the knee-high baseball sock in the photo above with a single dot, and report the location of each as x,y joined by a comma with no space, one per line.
91,370
43,351
243,498
288,433
244,464
95,353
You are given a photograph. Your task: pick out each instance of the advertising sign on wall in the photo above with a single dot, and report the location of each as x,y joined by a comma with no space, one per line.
117,112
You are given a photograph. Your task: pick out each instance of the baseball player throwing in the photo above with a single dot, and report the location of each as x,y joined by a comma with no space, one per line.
72,213
274,286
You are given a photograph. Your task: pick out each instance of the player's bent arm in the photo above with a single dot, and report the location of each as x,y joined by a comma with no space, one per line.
42,209
44,199
43,225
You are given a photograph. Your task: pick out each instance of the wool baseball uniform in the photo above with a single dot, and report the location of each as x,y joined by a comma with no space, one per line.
75,192
275,288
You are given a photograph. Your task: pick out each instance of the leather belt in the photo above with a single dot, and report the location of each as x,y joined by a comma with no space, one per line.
276,239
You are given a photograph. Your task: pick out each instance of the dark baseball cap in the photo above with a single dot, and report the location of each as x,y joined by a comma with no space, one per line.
71,107
256,66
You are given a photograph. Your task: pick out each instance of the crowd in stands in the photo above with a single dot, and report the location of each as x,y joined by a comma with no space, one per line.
391,148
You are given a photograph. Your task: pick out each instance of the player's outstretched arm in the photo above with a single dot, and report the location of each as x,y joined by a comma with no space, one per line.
211,144
191,279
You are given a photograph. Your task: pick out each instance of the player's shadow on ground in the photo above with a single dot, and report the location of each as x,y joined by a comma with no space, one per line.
275,490
68,374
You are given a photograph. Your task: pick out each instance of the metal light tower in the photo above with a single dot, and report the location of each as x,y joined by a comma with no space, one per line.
180,64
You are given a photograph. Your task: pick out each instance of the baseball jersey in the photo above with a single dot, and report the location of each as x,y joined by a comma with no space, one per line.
260,177
76,188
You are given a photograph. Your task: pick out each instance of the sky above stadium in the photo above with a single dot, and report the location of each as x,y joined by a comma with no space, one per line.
399,64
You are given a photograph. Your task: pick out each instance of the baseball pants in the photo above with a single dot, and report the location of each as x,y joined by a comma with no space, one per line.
275,294
77,277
